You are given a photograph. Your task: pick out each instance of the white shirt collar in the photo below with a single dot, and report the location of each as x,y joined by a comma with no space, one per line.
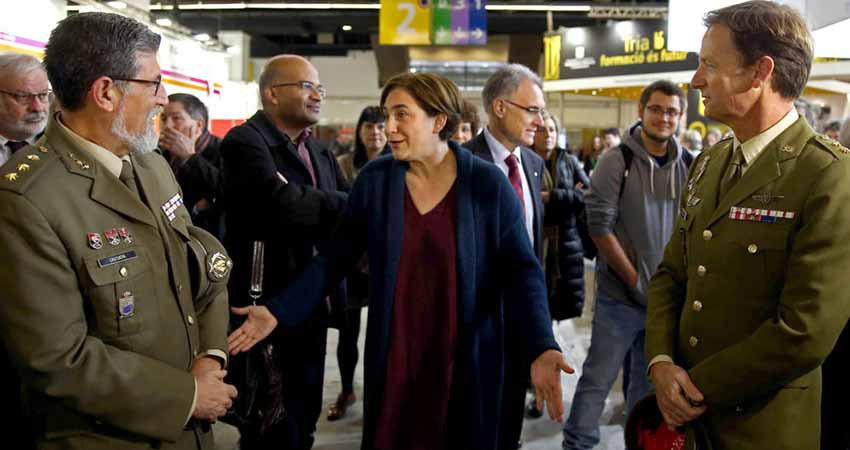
754,146
498,150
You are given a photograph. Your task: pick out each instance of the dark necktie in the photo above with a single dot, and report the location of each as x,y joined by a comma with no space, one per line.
128,178
16,145
515,179
733,172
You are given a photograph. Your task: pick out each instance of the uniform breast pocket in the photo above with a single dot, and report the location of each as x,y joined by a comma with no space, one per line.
762,251
121,293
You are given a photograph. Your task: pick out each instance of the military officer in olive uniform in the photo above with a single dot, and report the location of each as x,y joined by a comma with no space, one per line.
114,306
751,294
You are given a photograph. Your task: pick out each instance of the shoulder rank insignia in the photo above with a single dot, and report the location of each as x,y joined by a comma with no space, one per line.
219,265
11,176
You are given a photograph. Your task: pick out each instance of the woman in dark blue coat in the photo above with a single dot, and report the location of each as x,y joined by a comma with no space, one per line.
440,294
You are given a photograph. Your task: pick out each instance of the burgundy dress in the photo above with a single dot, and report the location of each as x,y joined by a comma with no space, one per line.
423,333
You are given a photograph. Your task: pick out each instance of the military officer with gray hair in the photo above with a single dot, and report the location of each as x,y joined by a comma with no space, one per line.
750,296
114,308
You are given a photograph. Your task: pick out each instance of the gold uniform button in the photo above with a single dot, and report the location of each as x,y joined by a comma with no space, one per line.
707,235
753,248
701,270
697,305
124,272
693,341
190,320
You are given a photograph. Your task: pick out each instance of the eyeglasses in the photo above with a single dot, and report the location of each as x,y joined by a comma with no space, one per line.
25,98
307,85
533,110
659,111
156,83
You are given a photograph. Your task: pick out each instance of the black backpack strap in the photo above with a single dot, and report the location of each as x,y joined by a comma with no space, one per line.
628,156
687,157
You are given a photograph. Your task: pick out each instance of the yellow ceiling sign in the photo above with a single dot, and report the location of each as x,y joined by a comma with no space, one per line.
405,22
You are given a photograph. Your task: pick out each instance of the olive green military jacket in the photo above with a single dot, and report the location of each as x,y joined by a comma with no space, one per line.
105,300
752,292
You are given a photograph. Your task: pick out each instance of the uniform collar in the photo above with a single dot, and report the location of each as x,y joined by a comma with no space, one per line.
110,160
754,146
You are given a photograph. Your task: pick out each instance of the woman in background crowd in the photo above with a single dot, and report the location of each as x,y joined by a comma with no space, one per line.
370,141
469,123
450,263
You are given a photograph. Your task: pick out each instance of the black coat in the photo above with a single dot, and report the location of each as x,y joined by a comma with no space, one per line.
200,178
564,204
293,218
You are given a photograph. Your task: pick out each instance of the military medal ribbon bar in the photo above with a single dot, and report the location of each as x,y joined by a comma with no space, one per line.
759,215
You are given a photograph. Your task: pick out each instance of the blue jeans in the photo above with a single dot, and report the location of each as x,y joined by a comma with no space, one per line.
617,328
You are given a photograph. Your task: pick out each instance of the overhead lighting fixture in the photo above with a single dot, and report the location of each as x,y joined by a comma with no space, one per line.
234,50
203,37
164,22
349,6
116,5
346,28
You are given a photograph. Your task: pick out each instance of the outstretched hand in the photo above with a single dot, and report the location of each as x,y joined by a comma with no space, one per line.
546,378
259,324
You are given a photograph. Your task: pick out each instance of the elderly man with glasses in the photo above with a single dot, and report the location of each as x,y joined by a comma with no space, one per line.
114,310
283,195
24,99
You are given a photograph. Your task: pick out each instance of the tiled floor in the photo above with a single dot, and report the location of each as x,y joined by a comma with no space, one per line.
574,338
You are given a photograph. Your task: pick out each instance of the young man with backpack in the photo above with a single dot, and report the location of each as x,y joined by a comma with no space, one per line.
630,209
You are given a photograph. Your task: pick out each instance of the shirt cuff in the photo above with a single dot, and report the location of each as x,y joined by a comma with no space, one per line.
216,353
194,401
658,359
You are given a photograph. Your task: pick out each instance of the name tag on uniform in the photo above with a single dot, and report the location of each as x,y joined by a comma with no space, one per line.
759,215
171,206
115,259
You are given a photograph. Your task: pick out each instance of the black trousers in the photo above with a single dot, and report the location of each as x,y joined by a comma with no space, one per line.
347,353
835,434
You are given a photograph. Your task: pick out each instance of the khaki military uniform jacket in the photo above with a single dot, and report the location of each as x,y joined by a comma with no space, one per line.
751,302
103,328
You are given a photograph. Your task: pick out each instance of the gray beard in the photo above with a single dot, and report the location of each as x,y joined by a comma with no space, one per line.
144,142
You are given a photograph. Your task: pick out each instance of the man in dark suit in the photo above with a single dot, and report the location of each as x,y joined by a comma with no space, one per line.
513,99
283,189
23,103
194,156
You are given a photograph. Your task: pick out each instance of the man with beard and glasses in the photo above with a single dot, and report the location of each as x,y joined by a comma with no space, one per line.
114,309
24,99
631,207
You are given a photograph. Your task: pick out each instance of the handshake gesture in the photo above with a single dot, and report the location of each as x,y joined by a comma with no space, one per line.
213,396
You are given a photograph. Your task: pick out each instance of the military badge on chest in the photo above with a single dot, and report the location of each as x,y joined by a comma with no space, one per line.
170,207
126,305
691,199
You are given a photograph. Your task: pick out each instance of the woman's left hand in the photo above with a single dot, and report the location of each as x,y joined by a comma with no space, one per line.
259,324
546,378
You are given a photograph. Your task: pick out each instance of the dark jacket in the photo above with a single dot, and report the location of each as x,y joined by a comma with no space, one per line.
200,178
292,218
499,281
564,203
533,166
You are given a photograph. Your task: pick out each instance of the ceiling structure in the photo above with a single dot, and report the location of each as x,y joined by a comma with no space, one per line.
319,32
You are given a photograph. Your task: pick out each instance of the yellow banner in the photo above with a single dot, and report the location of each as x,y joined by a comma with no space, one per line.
405,22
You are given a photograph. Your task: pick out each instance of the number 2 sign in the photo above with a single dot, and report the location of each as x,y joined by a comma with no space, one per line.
405,22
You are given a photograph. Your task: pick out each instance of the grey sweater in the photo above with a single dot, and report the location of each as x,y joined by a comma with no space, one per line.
642,219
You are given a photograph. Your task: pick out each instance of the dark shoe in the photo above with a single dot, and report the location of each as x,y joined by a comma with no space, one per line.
531,410
343,401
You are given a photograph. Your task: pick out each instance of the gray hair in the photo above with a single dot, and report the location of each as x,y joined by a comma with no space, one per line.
17,64
505,81
844,134
693,139
87,46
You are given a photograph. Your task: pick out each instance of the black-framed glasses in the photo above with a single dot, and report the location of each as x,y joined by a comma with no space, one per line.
156,83
308,85
659,111
25,98
533,110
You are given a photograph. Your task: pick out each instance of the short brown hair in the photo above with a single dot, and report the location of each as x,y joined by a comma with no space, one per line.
667,88
433,93
763,28
469,114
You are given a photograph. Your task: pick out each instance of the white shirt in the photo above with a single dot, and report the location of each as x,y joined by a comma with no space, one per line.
500,153
6,152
